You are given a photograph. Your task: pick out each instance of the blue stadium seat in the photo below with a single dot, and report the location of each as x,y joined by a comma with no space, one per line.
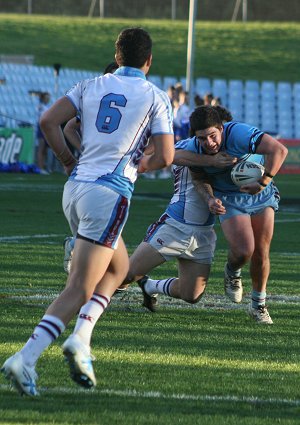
297,129
252,113
169,81
268,91
252,90
203,86
219,89
286,129
156,80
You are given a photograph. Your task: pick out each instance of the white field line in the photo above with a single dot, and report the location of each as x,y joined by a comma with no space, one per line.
133,299
159,395
23,238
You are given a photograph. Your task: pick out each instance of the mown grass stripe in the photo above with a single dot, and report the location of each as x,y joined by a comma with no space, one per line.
157,394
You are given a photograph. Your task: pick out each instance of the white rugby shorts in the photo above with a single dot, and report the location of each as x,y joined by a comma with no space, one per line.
95,212
173,239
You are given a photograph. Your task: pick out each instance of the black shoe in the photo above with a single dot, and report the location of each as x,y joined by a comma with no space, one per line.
120,291
150,302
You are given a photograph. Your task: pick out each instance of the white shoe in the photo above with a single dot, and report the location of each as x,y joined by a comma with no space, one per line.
44,172
79,359
260,315
68,254
233,287
22,377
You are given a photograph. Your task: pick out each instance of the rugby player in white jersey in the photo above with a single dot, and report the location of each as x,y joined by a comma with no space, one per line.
119,112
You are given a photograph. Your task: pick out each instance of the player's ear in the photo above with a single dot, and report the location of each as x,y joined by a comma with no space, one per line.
149,61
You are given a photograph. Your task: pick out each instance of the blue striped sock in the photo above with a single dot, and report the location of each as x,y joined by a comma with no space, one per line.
258,299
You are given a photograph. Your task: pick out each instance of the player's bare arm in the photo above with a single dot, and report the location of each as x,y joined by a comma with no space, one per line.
60,112
71,133
190,159
274,154
205,190
162,156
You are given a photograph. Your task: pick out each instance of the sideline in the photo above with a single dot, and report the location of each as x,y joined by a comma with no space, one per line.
157,394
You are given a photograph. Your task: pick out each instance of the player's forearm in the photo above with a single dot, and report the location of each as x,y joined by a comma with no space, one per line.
190,159
56,141
274,161
73,138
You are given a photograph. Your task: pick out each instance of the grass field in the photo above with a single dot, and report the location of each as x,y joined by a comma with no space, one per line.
205,364
261,51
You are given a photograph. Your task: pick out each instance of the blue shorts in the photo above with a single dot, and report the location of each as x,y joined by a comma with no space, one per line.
238,203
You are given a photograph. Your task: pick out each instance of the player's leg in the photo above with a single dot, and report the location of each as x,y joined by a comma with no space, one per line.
193,247
263,228
103,226
144,259
239,235
89,264
91,311
192,281
76,348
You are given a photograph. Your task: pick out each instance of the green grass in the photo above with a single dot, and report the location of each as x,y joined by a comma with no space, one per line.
261,51
204,364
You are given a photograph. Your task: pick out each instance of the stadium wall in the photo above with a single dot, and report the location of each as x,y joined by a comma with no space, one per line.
208,10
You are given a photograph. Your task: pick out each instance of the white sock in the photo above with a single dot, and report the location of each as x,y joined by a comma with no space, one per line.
46,332
159,286
88,316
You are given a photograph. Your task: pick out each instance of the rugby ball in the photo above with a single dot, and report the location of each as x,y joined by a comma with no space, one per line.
246,172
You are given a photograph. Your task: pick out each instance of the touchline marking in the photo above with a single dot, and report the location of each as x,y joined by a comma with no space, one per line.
132,299
157,394
22,238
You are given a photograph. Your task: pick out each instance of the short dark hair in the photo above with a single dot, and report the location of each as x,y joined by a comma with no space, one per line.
224,114
133,47
111,68
204,117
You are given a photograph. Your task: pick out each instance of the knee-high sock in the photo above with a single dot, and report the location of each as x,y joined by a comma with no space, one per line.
46,332
88,316
159,286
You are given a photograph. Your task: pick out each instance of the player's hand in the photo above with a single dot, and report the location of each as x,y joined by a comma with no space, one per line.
252,188
68,169
222,159
143,165
216,207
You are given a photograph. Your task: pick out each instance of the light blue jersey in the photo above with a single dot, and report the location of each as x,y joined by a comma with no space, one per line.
239,140
186,205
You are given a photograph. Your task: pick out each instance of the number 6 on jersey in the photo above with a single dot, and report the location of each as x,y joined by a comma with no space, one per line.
109,117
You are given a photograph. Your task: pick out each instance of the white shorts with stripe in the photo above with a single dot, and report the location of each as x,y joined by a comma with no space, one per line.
95,212
173,239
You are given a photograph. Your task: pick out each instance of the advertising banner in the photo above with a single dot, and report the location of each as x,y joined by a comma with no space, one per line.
17,145
291,164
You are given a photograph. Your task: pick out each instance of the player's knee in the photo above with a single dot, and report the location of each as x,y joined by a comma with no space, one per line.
130,277
193,298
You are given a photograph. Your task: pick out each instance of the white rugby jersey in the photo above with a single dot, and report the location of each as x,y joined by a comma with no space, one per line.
119,112
186,205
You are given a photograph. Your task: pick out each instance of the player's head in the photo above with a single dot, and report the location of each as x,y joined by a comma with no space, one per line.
207,125
133,48
224,114
111,68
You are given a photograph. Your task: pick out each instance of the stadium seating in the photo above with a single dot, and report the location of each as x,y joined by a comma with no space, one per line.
273,107
203,86
219,89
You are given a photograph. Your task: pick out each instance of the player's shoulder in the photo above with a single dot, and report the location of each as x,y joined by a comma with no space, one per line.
189,144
